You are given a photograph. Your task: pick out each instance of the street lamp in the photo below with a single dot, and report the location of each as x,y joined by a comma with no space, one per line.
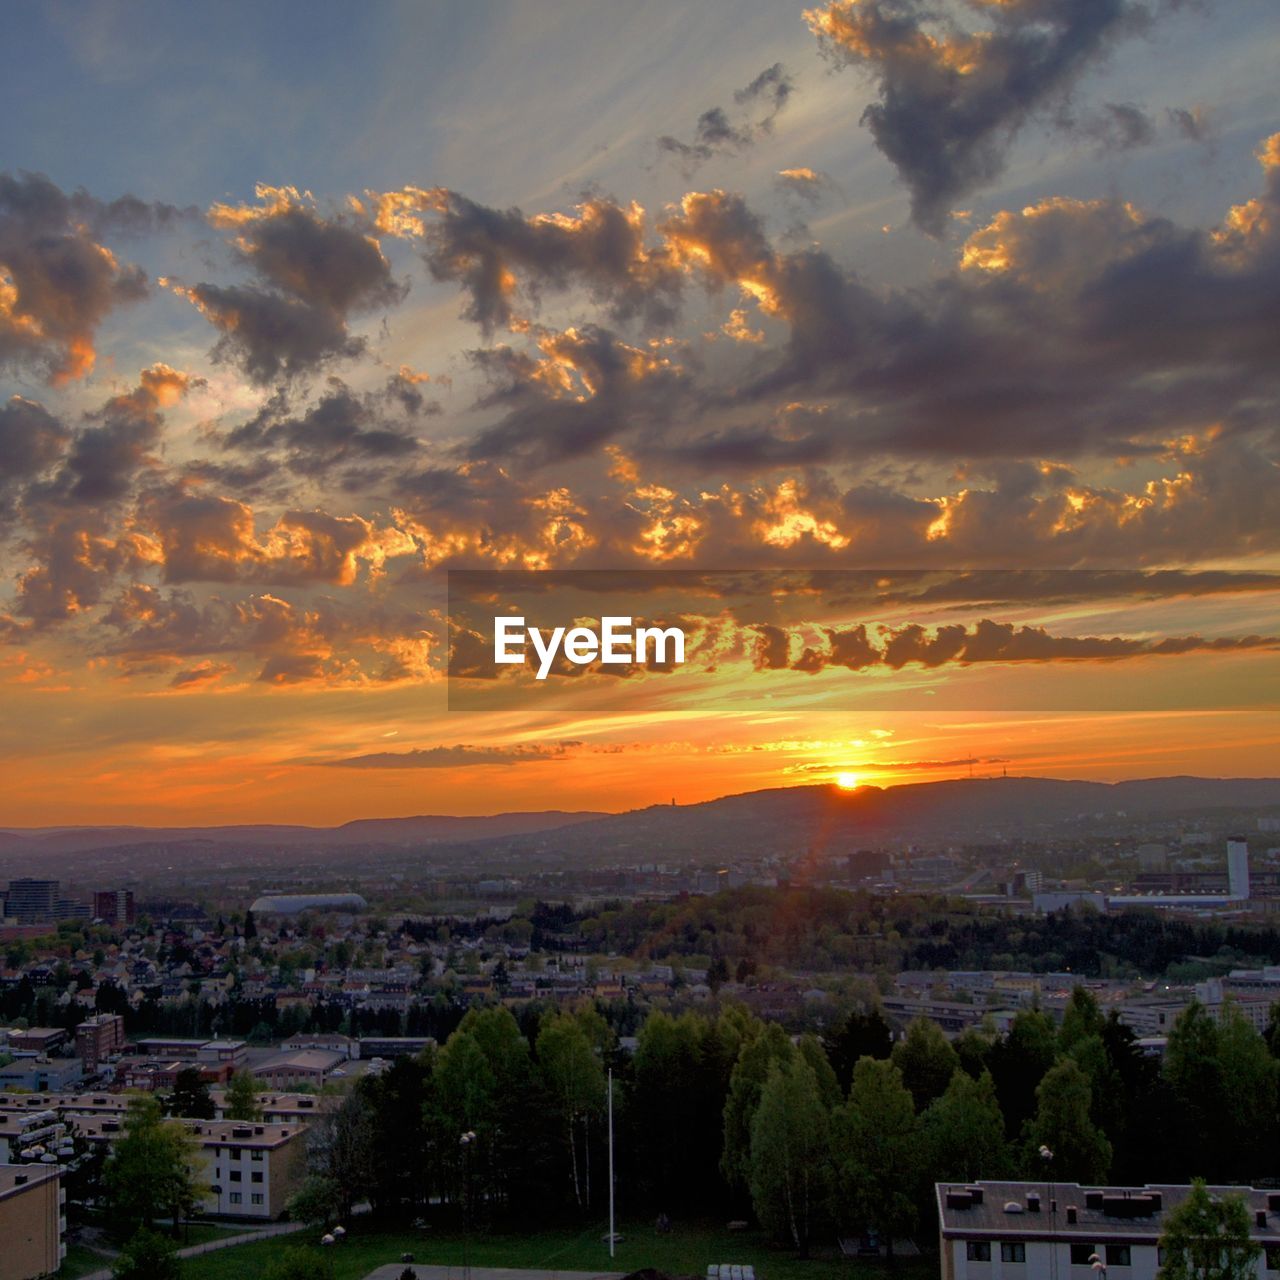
1099,1267
466,1142
1047,1156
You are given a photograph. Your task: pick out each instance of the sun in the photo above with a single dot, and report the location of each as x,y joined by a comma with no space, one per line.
847,781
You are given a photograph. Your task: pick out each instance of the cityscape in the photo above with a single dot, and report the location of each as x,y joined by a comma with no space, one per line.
639,642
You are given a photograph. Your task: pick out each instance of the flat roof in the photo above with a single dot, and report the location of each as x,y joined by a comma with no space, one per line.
222,1133
1096,1215
17,1178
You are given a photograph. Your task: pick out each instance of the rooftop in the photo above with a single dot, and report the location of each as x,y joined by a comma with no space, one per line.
984,1210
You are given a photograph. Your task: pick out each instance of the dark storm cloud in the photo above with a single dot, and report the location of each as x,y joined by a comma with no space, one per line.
343,428
491,252
587,387
986,642
952,95
31,441
313,274
57,283
716,132
327,263
270,335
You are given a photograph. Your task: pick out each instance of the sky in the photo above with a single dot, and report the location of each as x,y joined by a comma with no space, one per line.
921,358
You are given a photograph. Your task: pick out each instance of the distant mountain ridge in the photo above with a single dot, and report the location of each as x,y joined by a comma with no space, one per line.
360,831
780,820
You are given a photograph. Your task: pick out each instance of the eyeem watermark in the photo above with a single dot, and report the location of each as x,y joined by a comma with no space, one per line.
618,642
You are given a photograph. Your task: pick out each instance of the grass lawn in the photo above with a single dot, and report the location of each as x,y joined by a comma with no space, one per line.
684,1251
80,1260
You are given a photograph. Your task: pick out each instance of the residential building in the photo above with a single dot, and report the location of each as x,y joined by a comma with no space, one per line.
1054,1231
249,1170
32,1224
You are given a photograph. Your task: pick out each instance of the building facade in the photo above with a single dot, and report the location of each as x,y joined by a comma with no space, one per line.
1057,1231
32,1224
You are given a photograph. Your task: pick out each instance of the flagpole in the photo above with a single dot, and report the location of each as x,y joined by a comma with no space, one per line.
611,1232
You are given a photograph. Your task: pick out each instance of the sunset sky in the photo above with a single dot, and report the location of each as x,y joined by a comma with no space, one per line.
303,305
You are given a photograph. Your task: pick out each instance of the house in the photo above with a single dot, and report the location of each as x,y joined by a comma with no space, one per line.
1054,1231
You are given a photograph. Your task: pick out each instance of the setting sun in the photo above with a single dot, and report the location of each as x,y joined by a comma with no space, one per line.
847,781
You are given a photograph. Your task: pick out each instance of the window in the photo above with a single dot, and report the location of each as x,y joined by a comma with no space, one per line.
1081,1254
1118,1255
1273,1257
255,1155
235,1175
256,1176
256,1198
235,1197
978,1251
1013,1251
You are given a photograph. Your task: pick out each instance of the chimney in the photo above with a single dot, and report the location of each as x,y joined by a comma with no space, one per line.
1033,1202
1072,1215
1261,1218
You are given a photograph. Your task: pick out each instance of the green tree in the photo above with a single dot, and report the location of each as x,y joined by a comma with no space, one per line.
812,1052
1081,1018
1018,1062
1250,1085
790,1159
317,1201
878,1152
341,1150
1193,1069
865,1033
768,1045
927,1061
1080,1151
964,1132
242,1098
190,1097
575,1081
148,1256
151,1172
1207,1238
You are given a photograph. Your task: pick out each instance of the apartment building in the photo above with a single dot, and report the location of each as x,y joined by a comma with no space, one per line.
32,1222
1054,1231
249,1170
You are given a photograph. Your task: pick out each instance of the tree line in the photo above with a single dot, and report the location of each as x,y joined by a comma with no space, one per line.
718,1112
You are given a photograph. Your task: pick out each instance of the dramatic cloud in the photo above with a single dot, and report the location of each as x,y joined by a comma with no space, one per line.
57,282
315,271
957,645
954,93
496,254
31,441
342,429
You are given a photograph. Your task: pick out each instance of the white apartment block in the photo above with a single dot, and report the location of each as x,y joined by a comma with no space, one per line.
1053,1231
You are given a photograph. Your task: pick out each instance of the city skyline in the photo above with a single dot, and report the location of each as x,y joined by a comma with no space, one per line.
298,313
